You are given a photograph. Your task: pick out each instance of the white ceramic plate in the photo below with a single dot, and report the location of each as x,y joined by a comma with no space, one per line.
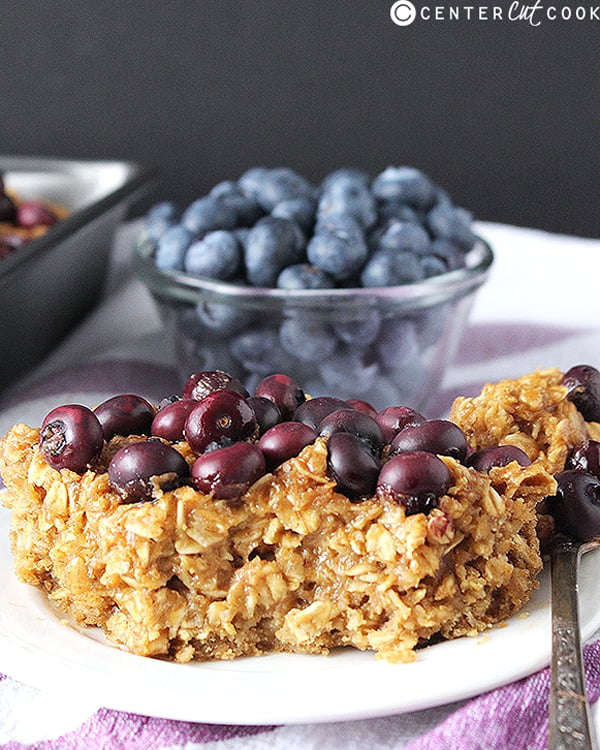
39,648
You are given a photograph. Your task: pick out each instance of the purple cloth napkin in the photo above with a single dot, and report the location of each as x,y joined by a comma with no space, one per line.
514,717
510,718
108,376
115,730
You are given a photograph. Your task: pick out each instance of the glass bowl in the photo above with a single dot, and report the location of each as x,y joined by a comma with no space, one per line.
386,345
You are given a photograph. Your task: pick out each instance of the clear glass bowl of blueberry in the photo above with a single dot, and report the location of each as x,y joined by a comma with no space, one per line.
359,286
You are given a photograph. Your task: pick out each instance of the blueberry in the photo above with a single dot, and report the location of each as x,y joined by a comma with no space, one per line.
359,332
405,185
410,381
271,245
35,213
136,470
442,197
299,210
160,217
283,391
171,248
392,419
272,186
585,456
364,406
249,183
247,209
228,472
338,247
202,383
345,175
355,422
205,353
216,256
449,252
284,441
260,351
266,412
497,455
314,410
583,385
222,319
392,268
415,480
398,344
452,223
352,465
166,210
222,415
390,390
226,189
431,323
304,276
348,373
373,237
432,265
241,234
308,339
576,505
402,235
71,437
393,210
125,414
351,198
439,436
169,421
208,213
337,223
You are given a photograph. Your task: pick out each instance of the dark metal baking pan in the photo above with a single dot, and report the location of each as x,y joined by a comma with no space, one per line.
48,284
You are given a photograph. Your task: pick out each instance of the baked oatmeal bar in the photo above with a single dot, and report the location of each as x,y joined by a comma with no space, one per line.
295,562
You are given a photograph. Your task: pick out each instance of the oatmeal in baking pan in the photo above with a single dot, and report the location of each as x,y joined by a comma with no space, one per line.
219,524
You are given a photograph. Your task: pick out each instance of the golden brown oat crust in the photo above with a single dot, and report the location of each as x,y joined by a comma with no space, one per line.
531,412
295,566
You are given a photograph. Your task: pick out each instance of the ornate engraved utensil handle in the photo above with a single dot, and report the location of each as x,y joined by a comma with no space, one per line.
570,723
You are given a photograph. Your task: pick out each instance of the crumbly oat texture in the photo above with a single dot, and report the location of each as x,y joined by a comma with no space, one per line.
531,413
294,566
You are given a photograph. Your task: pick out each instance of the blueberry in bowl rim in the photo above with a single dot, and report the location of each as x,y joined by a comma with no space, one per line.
177,286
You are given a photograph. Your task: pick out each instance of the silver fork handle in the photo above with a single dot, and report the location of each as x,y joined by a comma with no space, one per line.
570,722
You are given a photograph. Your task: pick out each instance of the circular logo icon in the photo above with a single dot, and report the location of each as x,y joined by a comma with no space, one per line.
403,12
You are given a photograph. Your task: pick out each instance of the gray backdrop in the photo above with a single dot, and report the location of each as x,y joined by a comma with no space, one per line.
504,114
